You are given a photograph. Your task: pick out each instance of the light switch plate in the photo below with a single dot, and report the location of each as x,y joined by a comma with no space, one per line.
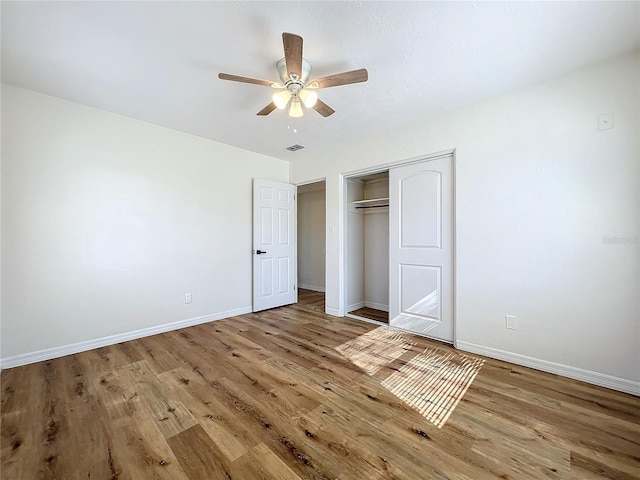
605,121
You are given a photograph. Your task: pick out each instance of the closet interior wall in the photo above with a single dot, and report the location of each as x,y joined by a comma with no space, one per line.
376,247
355,247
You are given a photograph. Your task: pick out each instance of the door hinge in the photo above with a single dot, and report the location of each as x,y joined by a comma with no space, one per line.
294,286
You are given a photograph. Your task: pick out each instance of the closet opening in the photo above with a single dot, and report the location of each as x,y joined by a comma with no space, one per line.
367,249
398,245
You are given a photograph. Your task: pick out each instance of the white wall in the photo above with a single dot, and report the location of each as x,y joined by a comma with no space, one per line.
538,188
311,236
376,247
107,221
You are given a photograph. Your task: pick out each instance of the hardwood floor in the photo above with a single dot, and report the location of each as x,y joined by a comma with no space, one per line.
270,396
372,313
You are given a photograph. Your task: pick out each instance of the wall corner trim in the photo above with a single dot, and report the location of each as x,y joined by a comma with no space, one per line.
332,311
55,352
595,378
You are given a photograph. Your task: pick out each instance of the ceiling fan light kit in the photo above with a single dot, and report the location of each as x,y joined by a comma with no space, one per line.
295,110
308,98
296,89
281,99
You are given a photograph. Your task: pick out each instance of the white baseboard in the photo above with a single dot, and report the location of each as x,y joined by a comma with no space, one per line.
55,352
314,288
377,306
332,311
595,378
355,306
365,319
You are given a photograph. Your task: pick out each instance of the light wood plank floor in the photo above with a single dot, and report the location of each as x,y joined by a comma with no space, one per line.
268,396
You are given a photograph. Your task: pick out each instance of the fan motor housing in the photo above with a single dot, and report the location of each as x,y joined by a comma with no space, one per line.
294,85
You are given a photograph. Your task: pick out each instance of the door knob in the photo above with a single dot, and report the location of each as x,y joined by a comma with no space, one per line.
259,252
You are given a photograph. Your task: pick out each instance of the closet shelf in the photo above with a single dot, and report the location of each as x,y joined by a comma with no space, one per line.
371,203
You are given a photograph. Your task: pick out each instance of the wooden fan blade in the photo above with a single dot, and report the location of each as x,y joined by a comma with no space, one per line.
236,78
293,53
267,110
346,78
323,109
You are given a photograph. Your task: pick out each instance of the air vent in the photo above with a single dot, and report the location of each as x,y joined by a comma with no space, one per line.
293,148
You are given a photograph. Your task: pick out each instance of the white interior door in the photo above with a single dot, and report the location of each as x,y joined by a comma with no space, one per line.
421,248
274,244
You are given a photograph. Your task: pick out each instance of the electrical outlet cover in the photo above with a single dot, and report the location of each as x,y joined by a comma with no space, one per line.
510,321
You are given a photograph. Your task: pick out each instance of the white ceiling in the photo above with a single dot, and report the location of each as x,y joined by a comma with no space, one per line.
158,61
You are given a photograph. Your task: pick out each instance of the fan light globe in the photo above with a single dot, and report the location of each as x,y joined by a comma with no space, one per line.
308,98
281,99
295,110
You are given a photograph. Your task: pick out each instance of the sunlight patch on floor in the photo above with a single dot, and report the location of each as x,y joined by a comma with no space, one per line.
377,348
433,382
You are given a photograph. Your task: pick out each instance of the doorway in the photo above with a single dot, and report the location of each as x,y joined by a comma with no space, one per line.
312,238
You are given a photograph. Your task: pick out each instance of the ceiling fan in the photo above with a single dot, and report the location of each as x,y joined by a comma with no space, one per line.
294,85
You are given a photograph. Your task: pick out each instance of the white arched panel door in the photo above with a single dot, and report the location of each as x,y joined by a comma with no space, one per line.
421,248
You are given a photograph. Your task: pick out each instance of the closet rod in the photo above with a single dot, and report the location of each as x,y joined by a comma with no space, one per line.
372,206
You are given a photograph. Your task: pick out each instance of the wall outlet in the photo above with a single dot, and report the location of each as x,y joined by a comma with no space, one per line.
510,321
187,298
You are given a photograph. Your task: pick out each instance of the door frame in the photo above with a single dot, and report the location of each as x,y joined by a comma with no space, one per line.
342,287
